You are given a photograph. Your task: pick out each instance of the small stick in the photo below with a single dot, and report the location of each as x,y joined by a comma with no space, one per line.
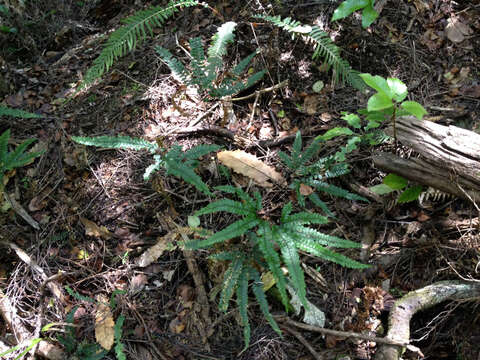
262,91
305,343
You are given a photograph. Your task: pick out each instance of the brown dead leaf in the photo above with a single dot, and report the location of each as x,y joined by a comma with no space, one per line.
163,243
104,324
138,282
92,229
249,165
456,30
305,190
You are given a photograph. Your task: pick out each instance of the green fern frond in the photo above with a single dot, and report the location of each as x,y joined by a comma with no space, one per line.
185,172
287,160
116,142
315,199
238,228
220,41
242,65
4,145
330,255
337,170
302,233
265,243
227,205
257,288
230,279
6,111
200,150
292,260
305,217
175,66
323,46
119,349
335,190
225,255
243,196
157,165
126,38
242,298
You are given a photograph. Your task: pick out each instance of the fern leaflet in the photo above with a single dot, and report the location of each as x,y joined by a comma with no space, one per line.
6,111
230,281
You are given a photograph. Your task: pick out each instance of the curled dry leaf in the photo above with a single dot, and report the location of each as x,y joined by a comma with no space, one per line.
104,324
249,165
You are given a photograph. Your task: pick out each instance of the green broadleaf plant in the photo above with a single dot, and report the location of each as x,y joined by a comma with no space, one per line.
369,14
176,162
207,72
262,238
393,182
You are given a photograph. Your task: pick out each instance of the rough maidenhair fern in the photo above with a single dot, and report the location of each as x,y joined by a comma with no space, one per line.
315,175
323,47
134,31
291,234
207,72
176,162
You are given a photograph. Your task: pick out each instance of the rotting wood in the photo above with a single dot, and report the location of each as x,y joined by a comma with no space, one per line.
415,301
449,157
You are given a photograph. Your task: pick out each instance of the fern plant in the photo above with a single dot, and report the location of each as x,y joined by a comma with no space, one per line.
176,162
290,234
323,47
307,175
16,158
207,72
6,111
134,31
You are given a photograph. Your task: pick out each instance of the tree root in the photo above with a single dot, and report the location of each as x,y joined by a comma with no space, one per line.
404,309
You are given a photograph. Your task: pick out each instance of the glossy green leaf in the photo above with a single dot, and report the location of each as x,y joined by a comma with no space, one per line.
395,181
378,83
352,119
410,194
369,15
381,189
348,7
398,88
337,131
414,108
379,101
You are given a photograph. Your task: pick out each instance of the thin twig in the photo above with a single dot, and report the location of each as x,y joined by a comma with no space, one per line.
305,343
262,91
345,334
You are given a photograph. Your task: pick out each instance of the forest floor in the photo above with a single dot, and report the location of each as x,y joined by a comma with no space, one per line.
97,215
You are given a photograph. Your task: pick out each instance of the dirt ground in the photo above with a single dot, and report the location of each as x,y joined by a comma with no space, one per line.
97,215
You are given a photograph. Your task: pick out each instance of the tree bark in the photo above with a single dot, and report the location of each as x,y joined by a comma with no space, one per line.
449,157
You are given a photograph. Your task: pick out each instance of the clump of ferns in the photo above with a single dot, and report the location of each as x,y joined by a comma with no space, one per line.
207,71
256,245
305,173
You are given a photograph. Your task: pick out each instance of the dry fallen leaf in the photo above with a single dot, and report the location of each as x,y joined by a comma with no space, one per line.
92,229
310,104
104,324
248,165
456,30
305,190
163,243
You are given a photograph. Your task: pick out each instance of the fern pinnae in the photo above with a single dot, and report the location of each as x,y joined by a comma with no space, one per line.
157,164
251,204
234,230
230,281
257,287
242,298
227,205
305,218
175,66
335,190
187,173
116,142
292,260
6,111
329,255
200,150
225,255
266,244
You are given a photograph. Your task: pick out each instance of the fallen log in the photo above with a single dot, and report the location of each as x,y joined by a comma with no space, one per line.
421,299
449,157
